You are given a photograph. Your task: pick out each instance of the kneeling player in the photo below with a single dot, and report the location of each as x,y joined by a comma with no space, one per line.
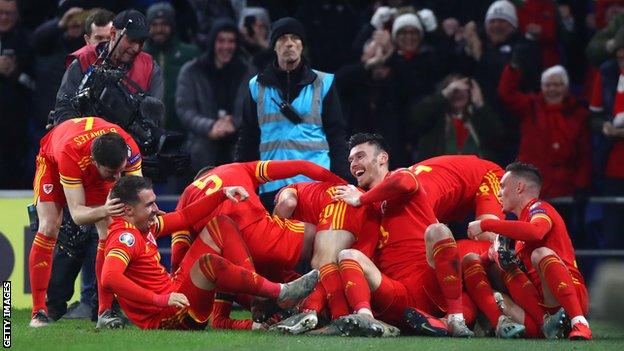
543,245
153,299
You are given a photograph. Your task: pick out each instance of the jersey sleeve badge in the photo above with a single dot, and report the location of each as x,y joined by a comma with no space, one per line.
127,238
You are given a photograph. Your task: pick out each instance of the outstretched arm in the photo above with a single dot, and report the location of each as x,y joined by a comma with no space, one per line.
517,230
267,171
398,183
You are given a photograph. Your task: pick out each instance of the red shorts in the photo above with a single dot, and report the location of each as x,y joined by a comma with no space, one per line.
487,200
418,290
466,246
274,243
338,215
47,183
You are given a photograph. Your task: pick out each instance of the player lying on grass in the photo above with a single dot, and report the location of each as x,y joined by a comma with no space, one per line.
338,226
544,247
147,293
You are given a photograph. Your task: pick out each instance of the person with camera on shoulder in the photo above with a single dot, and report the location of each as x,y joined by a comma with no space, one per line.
139,66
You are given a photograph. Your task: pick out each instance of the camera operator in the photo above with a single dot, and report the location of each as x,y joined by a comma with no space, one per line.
139,66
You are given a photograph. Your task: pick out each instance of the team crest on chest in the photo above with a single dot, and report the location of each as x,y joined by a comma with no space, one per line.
47,188
127,238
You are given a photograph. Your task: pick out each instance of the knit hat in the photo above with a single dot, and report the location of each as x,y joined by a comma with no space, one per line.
286,25
162,10
502,9
405,20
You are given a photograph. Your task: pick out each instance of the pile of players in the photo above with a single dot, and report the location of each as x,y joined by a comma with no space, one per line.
384,262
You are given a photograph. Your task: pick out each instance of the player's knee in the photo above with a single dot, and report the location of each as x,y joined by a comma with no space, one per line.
538,254
50,227
349,254
436,232
469,258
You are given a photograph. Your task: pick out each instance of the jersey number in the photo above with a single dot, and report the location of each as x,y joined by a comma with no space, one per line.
88,122
202,182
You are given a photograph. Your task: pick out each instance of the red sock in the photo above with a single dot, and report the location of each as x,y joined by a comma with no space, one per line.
532,329
40,268
316,301
231,278
480,291
233,248
524,294
180,243
446,262
561,285
105,298
469,309
220,317
332,282
356,286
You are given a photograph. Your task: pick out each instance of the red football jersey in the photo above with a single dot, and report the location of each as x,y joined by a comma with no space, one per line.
556,239
404,219
140,253
68,145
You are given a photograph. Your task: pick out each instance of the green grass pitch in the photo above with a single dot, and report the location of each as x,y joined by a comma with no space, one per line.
81,335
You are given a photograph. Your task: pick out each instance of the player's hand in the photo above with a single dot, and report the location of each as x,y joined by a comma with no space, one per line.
231,192
474,229
349,194
114,207
178,300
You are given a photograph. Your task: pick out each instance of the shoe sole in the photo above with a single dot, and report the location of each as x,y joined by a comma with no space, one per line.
352,327
516,334
306,324
419,323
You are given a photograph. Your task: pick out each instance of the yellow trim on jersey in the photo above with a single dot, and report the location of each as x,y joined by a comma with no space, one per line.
120,254
295,227
70,182
339,214
129,225
261,171
543,216
181,237
41,168
213,228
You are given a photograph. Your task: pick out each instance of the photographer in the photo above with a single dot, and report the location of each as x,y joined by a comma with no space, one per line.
139,66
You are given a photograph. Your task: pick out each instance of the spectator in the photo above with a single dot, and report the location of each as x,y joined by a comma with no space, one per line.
209,99
488,55
97,26
538,21
607,104
292,111
554,130
367,94
454,121
140,66
602,46
52,42
15,85
170,53
254,28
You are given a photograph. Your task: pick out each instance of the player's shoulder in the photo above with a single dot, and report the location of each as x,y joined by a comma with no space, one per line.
540,207
123,232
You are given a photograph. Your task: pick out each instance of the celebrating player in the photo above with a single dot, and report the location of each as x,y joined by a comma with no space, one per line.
77,164
146,292
543,245
417,258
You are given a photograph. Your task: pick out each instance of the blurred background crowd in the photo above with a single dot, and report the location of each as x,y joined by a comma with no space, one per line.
536,80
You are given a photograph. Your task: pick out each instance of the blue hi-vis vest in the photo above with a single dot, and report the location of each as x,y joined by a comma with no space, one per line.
281,139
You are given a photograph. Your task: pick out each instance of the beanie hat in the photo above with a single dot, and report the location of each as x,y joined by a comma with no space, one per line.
162,10
504,10
286,25
405,20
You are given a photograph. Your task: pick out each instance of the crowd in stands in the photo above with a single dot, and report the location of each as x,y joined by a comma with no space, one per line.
536,80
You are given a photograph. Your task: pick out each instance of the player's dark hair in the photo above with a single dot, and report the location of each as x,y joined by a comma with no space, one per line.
371,138
127,188
203,171
526,171
109,150
99,17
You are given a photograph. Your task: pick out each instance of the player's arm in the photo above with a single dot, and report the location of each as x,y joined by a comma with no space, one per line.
186,217
135,161
534,230
114,280
400,182
286,202
266,171
82,214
